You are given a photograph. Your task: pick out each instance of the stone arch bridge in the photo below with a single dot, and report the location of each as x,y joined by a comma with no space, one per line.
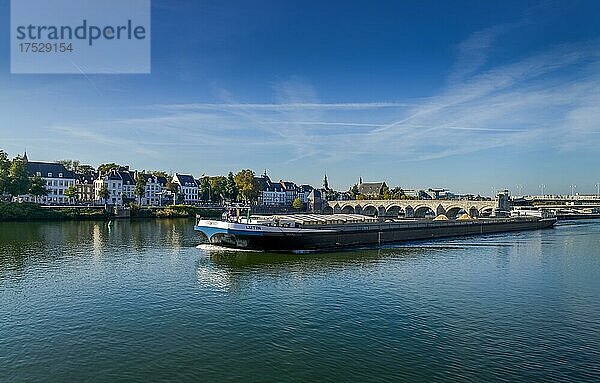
413,208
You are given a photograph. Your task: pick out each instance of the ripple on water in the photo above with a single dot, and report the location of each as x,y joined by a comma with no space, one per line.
142,301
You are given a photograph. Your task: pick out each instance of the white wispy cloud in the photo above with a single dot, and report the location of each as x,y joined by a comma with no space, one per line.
547,97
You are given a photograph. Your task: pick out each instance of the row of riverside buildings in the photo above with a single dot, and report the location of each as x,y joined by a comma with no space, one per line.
120,185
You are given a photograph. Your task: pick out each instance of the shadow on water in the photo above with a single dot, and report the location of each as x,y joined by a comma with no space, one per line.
236,259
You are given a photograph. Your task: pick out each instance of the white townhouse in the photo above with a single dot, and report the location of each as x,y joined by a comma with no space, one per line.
303,193
188,188
128,188
84,184
291,191
57,177
120,185
113,184
155,193
270,193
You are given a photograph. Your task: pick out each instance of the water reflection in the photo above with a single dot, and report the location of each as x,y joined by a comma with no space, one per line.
140,299
37,244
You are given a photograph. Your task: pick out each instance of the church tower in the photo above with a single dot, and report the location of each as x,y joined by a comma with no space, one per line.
325,183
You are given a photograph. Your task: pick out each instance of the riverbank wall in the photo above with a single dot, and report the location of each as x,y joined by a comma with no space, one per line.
25,211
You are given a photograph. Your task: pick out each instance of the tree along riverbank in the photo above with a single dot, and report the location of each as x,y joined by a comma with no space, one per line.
25,211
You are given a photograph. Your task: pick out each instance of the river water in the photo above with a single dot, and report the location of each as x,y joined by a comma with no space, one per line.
141,302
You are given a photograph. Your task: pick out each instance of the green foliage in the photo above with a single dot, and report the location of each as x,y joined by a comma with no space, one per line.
85,169
71,193
247,185
19,181
4,168
330,195
37,186
297,204
103,192
75,166
385,193
140,187
397,193
175,211
218,188
159,173
354,191
231,190
105,168
172,186
26,211
205,192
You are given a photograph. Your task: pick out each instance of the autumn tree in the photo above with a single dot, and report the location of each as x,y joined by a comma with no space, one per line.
297,204
246,185
218,188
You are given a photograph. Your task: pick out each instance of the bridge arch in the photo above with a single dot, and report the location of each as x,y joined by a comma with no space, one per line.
473,212
454,211
409,211
394,211
370,210
328,210
348,209
423,211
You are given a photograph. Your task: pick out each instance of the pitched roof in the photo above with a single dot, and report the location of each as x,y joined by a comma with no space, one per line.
162,180
370,188
48,170
184,180
275,187
85,178
127,178
288,185
114,176
263,182
305,188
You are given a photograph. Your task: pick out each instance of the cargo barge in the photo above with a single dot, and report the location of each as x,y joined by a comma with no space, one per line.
326,232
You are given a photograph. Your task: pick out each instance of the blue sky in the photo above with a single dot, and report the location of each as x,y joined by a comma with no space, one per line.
465,95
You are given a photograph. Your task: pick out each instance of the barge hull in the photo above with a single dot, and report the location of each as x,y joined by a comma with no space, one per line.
370,235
